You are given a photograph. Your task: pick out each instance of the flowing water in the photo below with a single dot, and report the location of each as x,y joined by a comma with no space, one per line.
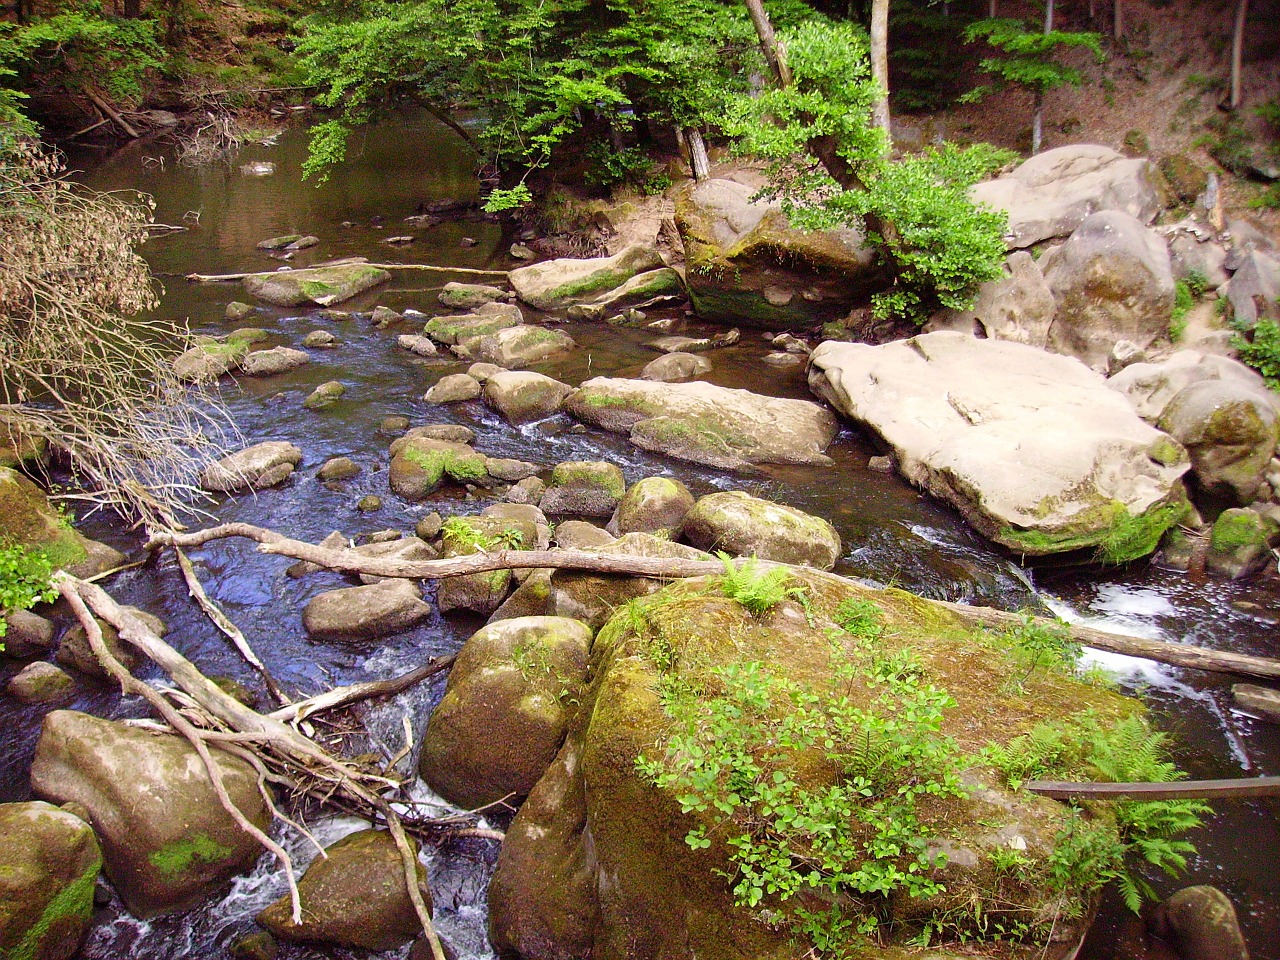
892,533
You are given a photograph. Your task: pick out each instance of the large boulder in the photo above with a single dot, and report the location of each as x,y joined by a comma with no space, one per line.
465,296
1112,281
49,863
254,468
1019,306
481,593
1202,923
745,263
742,525
28,519
1254,288
353,896
558,284
656,505
519,346
521,396
324,286
603,861
704,423
1031,447
505,711
1051,194
353,614
452,330
167,841
641,290
586,488
419,464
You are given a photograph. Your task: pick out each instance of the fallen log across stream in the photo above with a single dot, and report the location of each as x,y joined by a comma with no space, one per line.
1176,654
431,268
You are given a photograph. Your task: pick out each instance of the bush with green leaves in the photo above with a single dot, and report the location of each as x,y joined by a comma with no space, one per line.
1260,349
24,581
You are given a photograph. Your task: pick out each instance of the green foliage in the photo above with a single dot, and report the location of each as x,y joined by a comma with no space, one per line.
1183,300
1136,535
1027,55
501,199
459,532
1038,645
756,588
1260,349
24,581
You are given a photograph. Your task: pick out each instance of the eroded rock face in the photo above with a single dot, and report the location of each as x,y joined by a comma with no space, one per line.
1018,307
717,426
747,264
558,284
324,286
50,862
506,708
354,896
1112,281
743,525
254,468
1029,446
1051,194
167,842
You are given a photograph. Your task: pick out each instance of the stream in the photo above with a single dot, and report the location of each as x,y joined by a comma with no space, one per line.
891,532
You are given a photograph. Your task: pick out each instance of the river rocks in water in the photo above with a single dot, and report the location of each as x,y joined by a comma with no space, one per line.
521,396
528,490
393,425
211,357
1029,446
167,842
453,388
643,289
511,471
656,505
468,296
491,318
323,286
558,284
338,468
75,652
675,366
269,363
1240,542
423,346
291,241
51,861
746,264
1260,701
324,395
581,535
704,423
38,682
334,541
354,896
1202,922
584,488
681,344
519,346
27,519
321,340
254,468
483,371
26,634
1019,306
407,549
743,525
480,593
1051,194
383,317
453,432
237,311
354,614
505,710
419,464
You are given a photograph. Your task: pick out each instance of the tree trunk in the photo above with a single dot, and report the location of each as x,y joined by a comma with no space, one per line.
769,46
1118,25
1048,17
1237,51
991,9
880,66
1037,125
698,159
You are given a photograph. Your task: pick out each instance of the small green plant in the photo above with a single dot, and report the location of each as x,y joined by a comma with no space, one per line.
24,581
756,588
512,198
1041,646
1183,300
1261,350
1196,282
461,533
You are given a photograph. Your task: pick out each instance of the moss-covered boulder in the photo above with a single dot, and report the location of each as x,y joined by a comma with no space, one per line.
49,862
656,505
480,593
746,264
354,896
642,290
262,465
211,357
323,286
742,525
704,423
39,682
504,714
420,464
325,395
27,519
453,388
1031,447
452,330
518,347
558,284
586,488
167,842
1240,542
521,395
702,744
356,614
465,296
74,650
270,363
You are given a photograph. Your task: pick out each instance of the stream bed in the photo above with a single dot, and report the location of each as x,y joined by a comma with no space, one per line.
891,532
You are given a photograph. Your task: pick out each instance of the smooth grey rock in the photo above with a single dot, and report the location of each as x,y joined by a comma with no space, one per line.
453,388
521,396
268,363
253,468
1018,307
338,468
676,366
356,614
324,286
519,346
39,682
557,284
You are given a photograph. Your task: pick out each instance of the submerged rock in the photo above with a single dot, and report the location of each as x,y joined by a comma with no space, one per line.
167,842
1029,446
704,423
254,468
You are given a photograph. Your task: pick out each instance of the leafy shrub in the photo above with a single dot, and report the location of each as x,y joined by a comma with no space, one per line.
24,581
1261,350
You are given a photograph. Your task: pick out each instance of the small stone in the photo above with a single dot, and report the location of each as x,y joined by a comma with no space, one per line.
454,388
882,464
393,426
255,946
39,682
418,344
238,311
483,371
339,468
369,504
303,243
429,526
519,251
384,317
527,491
324,395
468,242
320,339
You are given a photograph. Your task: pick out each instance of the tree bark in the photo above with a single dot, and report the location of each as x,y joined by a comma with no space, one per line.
880,66
1037,125
1118,19
698,159
1237,52
769,46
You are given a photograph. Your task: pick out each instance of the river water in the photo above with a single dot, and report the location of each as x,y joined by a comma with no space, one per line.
892,533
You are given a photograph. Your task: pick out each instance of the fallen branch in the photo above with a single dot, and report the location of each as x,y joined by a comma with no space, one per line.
368,690
111,112
228,277
1235,788
1177,654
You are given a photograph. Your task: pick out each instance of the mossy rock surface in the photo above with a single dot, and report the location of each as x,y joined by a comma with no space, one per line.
27,519
420,464
596,862
354,896
655,505
167,842
503,717
18,447
49,861
588,488
557,284
453,330
1239,542
520,346
324,286
743,525
480,593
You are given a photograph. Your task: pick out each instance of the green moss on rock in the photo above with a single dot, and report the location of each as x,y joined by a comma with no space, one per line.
181,855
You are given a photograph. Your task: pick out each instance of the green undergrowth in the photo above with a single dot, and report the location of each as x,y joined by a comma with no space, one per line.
462,536
24,581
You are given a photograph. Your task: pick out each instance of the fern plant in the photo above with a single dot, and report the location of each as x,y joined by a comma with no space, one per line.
757,588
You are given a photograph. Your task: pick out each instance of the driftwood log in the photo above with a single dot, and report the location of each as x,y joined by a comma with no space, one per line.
1176,654
228,277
